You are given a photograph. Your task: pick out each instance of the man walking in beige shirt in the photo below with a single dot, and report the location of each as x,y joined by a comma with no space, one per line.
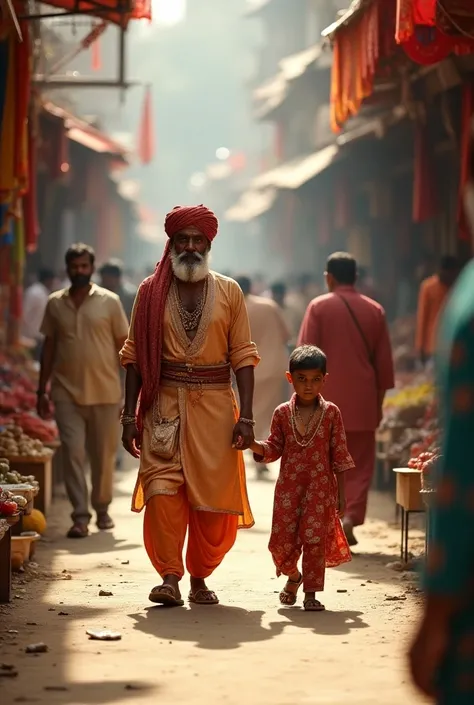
84,328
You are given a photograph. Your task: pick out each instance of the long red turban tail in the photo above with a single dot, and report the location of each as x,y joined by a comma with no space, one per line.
148,328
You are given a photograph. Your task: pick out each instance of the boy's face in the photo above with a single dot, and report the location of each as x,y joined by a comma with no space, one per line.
307,383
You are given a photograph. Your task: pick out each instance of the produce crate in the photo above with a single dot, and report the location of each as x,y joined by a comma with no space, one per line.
5,558
42,469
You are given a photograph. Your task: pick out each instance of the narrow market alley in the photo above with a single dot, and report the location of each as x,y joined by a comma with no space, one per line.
248,649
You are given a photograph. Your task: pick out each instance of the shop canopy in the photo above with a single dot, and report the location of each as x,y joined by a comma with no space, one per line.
295,173
87,135
119,12
251,204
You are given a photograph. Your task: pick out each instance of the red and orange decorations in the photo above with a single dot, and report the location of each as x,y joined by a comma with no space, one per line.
359,48
424,29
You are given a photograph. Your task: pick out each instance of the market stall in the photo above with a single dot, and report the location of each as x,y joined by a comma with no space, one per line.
17,541
26,441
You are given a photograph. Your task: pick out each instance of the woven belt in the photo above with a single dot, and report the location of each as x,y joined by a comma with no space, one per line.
195,374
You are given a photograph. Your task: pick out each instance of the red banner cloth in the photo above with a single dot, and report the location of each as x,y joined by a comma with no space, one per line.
32,228
466,146
146,146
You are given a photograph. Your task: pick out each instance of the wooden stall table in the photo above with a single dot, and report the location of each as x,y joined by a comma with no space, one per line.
41,467
409,499
5,558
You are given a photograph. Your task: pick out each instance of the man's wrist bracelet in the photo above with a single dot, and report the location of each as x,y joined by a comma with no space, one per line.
249,422
128,420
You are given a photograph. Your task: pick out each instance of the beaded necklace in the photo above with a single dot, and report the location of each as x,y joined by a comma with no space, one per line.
305,440
190,319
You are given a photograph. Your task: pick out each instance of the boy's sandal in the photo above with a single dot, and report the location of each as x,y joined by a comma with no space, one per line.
313,605
288,597
203,596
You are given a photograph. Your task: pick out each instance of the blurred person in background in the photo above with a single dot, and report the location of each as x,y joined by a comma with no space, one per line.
271,336
442,655
431,300
365,284
351,329
290,314
84,327
112,278
35,300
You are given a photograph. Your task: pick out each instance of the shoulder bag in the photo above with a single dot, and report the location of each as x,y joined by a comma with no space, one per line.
361,332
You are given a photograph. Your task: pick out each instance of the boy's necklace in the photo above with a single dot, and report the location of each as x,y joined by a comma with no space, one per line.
305,440
310,417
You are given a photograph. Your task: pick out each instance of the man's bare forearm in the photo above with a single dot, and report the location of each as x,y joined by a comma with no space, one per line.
133,385
245,383
47,362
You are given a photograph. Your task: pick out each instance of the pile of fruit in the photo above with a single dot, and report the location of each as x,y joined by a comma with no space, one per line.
11,504
420,438
18,384
408,405
12,477
425,463
34,427
14,443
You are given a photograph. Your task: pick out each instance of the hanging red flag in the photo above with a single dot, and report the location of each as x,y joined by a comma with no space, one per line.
146,137
96,56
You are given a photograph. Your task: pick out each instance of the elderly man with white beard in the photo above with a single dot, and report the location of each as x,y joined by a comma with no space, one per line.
189,329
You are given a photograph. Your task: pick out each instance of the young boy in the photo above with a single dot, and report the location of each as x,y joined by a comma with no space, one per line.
307,433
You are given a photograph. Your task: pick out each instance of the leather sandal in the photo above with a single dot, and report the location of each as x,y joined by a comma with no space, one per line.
78,530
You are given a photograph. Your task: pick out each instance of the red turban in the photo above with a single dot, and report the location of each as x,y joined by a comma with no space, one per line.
199,217
148,327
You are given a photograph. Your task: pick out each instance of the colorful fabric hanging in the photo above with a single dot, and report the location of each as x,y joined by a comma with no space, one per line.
358,50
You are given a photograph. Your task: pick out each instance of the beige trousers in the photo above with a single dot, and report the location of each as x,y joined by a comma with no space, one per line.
88,432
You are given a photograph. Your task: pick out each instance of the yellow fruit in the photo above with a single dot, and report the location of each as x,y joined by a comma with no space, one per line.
34,522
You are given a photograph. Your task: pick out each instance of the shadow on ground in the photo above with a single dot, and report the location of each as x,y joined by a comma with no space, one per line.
35,616
223,627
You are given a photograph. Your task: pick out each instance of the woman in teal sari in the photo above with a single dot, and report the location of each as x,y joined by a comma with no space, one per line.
442,656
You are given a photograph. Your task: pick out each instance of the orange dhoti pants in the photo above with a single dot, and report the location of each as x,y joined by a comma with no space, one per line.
211,536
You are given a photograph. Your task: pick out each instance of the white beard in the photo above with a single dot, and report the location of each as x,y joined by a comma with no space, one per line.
190,272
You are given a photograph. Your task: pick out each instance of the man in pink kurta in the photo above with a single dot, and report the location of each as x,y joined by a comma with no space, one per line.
352,331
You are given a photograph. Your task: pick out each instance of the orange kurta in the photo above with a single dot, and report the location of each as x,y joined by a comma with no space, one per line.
212,472
431,300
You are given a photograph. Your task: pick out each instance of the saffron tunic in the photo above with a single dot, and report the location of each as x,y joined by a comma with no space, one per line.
354,381
305,510
431,300
206,475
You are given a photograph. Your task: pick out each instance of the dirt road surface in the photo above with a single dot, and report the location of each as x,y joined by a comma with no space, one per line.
247,650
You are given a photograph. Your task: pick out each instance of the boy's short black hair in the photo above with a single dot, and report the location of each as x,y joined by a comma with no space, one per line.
343,268
78,250
308,357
